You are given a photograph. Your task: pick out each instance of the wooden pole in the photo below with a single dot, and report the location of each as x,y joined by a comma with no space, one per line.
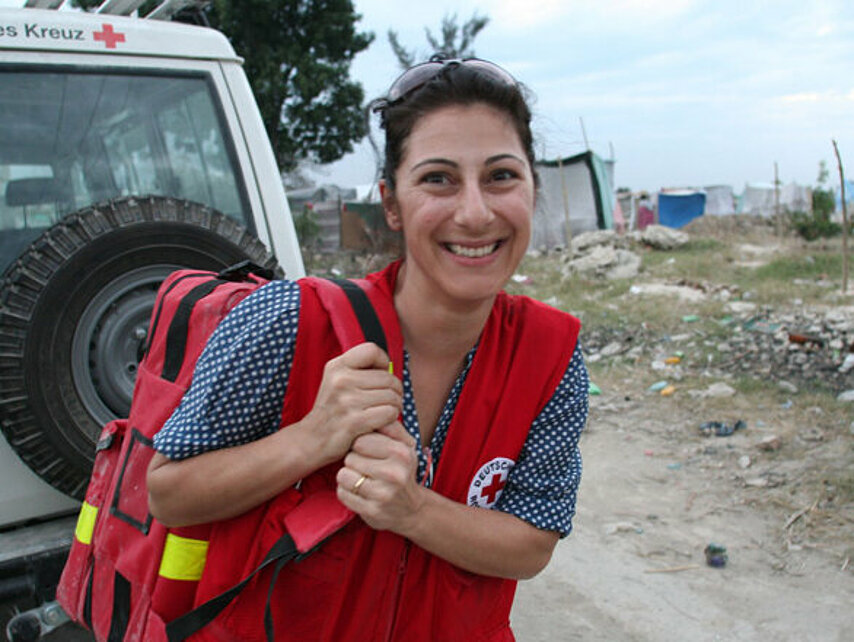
565,203
777,201
584,133
844,221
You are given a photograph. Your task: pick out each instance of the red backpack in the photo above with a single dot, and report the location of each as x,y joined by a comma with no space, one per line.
128,576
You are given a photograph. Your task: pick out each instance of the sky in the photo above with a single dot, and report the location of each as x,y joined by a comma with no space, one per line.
680,93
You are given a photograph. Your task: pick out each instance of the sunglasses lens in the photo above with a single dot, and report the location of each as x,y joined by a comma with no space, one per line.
412,79
419,75
491,70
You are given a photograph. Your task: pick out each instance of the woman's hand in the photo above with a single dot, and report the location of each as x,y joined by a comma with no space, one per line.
378,482
357,395
388,498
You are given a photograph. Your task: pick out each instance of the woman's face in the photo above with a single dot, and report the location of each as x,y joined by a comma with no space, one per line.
464,199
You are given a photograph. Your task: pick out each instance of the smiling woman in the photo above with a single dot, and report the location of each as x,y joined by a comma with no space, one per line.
462,466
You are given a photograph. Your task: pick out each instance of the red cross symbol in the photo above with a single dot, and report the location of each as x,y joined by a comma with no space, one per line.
491,491
109,36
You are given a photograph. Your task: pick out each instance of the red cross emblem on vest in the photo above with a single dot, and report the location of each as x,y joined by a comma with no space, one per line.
488,482
109,36
491,492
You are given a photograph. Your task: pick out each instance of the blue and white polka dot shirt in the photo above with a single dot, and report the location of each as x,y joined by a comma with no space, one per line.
239,387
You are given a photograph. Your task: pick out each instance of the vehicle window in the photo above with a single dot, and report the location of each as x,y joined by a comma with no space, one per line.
71,139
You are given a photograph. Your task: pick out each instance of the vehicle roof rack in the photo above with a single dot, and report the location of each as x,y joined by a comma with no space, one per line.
168,8
119,7
164,11
44,4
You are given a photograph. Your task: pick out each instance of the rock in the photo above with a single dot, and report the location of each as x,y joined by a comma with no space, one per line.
787,387
770,443
740,307
682,292
847,364
605,261
744,461
622,527
719,389
586,240
615,347
847,396
663,238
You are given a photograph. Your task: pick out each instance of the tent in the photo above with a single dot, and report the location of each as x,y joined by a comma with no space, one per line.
720,200
677,208
759,199
849,197
577,190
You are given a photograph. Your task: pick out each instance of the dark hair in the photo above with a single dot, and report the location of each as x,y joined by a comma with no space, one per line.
454,84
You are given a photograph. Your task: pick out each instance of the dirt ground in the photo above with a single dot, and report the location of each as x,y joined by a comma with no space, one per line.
656,492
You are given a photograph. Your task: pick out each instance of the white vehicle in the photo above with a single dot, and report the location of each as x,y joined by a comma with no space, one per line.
129,147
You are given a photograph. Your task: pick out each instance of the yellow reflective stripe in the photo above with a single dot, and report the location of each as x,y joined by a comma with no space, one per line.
183,558
86,523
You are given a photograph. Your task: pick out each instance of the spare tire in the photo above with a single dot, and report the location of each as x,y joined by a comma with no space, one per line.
74,309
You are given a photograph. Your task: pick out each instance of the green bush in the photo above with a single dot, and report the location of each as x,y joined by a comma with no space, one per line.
812,226
307,227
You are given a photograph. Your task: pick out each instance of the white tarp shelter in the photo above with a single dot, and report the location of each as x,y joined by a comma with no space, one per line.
578,190
758,198
720,200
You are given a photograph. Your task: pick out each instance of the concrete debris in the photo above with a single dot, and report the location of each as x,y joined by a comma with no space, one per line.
681,292
663,238
770,443
798,350
603,261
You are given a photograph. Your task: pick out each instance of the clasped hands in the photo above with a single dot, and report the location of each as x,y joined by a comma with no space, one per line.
357,410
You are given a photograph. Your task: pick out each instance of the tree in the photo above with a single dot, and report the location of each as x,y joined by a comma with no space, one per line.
456,41
297,56
823,202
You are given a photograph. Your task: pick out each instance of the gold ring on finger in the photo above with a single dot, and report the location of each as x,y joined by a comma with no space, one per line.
358,484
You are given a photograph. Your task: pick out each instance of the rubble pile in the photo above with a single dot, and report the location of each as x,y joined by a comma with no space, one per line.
801,350
604,254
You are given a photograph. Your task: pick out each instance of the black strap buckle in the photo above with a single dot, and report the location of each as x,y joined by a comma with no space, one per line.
241,271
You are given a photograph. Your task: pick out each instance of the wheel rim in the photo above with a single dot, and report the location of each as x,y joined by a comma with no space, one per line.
107,339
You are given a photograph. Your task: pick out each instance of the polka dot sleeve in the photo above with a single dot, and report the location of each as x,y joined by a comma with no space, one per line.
240,379
541,488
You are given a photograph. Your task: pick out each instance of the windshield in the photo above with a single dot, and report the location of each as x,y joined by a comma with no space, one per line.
71,139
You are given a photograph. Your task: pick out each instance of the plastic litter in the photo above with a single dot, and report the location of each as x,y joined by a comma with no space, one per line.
594,390
658,386
667,391
721,429
716,555
690,318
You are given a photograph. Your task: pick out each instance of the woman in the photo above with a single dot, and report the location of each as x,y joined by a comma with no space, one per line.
492,399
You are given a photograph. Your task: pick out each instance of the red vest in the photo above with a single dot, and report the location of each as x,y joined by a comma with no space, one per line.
366,585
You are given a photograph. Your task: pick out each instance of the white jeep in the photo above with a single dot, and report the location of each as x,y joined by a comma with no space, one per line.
129,147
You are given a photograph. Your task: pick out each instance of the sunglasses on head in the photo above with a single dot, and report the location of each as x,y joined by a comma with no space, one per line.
416,77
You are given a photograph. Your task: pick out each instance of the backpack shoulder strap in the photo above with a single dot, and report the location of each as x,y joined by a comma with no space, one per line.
358,313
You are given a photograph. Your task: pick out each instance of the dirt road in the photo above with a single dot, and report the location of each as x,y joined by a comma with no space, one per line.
655,493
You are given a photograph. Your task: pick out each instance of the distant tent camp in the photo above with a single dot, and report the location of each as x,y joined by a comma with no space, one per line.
677,208
759,199
849,197
720,200
579,189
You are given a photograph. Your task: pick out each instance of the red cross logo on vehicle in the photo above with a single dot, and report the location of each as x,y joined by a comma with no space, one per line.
109,36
